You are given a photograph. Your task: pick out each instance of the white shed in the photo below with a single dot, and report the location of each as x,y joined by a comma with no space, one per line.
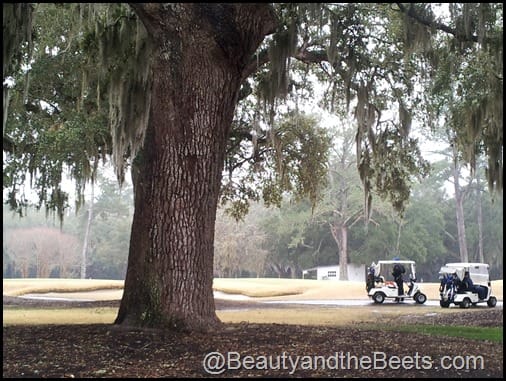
356,272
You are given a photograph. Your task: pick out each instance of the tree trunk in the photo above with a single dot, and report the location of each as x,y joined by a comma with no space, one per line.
481,257
87,232
340,234
398,243
459,209
343,254
201,51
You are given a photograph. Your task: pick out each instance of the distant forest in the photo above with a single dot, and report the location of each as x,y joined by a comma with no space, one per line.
269,242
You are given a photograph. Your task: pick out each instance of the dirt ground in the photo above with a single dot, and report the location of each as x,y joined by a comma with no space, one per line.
250,350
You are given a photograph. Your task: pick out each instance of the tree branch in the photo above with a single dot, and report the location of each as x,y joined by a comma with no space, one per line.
411,12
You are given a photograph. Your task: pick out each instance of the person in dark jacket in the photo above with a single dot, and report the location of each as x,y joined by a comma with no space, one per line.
467,283
397,274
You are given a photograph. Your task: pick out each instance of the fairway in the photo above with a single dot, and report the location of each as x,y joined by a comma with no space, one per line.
252,289
22,286
44,316
257,288
304,315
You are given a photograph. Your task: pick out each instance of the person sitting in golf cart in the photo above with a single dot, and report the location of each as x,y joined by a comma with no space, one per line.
467,284
372,279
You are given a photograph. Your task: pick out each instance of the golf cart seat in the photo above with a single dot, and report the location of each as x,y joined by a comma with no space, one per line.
379,280
482,291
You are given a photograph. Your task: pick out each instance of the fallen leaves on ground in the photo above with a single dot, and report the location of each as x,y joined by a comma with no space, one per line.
252,350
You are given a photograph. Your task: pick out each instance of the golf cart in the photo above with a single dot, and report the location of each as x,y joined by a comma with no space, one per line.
385,280
456,288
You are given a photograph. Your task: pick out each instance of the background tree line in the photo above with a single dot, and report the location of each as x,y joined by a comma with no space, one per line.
274,242
37,246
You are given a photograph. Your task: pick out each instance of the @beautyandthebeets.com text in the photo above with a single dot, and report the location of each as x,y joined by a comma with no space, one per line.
285,363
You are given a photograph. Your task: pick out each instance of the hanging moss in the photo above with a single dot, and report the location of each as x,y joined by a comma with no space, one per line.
125,68
281,49
417,37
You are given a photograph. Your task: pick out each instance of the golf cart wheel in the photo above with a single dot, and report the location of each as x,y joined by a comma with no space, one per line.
466,303
378,297
444,303
420,298
492,301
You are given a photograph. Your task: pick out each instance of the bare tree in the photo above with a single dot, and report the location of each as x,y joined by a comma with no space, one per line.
43,250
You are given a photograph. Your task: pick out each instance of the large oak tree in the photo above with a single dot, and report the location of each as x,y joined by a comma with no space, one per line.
199,62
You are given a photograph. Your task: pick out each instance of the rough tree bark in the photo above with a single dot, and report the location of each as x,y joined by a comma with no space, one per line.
198,66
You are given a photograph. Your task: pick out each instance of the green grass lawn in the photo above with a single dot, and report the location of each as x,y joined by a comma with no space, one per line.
477,333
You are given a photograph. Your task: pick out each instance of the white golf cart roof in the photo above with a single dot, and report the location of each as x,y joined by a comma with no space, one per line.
397,261
383,266
477,271
473,265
